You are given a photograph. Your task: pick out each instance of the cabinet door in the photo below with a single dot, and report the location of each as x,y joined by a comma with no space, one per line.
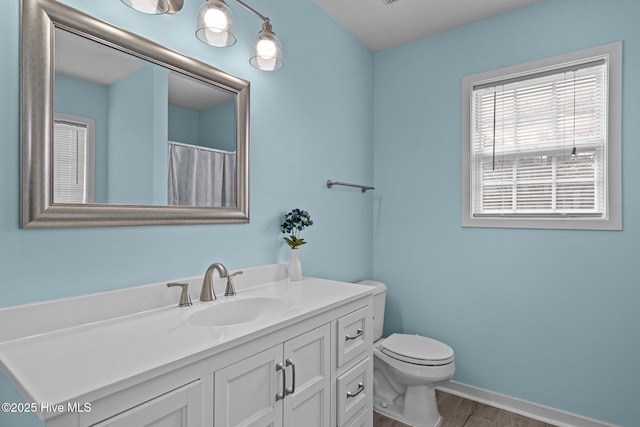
179,408
245,392
307,364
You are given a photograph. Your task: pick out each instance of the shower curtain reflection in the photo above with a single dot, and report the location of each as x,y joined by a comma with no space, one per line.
200,176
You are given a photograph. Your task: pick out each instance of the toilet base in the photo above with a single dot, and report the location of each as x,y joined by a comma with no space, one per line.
417,408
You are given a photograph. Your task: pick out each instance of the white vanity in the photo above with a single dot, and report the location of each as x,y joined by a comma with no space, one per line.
278,353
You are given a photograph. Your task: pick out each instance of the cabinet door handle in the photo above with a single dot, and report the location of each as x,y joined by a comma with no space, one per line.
281,395
359,333
292,389
360,390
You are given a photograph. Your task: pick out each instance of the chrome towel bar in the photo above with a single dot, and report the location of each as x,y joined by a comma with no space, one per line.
363,188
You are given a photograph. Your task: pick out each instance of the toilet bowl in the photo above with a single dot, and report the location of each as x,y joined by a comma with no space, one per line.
406,370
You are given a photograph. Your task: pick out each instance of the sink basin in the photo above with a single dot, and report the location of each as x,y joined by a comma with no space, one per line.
236,311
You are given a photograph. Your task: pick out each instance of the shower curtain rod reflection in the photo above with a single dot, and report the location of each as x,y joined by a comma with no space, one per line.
200,147
363,188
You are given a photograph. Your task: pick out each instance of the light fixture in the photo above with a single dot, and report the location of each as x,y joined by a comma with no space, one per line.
155,7
215,26
266,53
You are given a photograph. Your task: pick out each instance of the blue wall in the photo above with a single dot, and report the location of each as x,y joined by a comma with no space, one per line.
217,126
544,315
183,125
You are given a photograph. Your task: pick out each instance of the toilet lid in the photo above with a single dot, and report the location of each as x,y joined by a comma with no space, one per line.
417,350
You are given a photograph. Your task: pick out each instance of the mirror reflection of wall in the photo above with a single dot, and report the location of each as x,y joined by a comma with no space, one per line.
137,108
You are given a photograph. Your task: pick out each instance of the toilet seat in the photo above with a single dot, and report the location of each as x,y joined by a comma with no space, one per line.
417,350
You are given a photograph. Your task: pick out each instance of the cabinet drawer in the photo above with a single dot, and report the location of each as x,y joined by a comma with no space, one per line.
354,335
354,389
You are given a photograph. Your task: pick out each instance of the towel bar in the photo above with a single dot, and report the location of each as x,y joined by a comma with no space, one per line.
363,188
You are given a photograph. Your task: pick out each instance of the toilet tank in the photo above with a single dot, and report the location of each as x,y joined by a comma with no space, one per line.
379,296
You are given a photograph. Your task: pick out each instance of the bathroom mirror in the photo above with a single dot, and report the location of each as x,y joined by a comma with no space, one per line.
113,125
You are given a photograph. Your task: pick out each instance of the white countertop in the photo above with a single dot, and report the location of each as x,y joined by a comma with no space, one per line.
63,365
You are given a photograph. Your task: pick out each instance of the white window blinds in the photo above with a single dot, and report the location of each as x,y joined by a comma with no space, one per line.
539,144
69,162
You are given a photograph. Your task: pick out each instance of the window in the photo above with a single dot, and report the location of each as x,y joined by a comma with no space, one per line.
541,143
73,164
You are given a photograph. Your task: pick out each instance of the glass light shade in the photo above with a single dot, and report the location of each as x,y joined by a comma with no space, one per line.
266,53
216,25
152,7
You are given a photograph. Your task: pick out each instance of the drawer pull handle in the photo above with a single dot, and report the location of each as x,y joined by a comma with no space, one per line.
281,395
360,390
359,333
292,389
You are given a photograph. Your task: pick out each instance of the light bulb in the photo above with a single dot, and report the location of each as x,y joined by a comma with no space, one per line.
215,20
266,49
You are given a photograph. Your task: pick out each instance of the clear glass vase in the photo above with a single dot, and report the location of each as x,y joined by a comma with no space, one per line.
294,267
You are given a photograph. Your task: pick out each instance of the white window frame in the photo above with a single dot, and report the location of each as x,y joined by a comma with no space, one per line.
612,220
90,174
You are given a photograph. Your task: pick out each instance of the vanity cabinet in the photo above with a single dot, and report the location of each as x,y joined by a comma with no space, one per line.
286,385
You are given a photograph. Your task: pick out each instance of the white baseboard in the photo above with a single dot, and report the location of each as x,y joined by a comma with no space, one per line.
522,407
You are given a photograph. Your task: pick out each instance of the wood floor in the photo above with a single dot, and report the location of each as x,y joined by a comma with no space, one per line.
459,412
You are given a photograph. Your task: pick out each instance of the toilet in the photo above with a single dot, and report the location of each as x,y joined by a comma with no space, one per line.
406,370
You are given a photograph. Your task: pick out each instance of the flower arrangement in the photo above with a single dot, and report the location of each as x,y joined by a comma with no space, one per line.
294,222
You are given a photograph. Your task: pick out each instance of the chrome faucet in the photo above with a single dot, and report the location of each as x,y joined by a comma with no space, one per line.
207,293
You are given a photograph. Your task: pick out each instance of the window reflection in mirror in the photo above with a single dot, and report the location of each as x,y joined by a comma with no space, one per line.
157,137
73,159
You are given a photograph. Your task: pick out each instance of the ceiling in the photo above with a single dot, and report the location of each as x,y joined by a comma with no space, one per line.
383,24
84,59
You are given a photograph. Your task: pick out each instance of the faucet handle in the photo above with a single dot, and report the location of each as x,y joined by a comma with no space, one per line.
231,290
185,299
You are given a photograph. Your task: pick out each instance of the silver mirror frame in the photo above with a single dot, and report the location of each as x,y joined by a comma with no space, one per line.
39,18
